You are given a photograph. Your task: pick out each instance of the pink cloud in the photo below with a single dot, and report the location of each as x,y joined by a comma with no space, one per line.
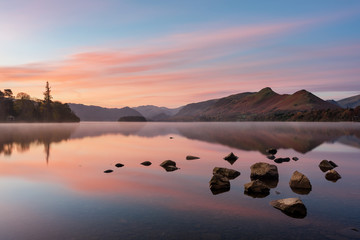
183,68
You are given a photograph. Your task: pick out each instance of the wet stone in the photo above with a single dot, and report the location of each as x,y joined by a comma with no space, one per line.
119,165
332,175
292,207
190,157
226,172
271,151
325,165
299,183
146,163
256,189
108,171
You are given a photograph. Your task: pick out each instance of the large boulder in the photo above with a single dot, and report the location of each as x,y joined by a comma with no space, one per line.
292,207
332,175
263,170
226,172
299,183
256,189
169,165
325,165
219,184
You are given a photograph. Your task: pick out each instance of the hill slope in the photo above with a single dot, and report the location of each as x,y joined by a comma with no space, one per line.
155,113
263,105
350,102
95,113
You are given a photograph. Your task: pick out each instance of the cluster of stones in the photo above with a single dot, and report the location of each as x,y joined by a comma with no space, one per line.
328,167
271,155
220,181
168,165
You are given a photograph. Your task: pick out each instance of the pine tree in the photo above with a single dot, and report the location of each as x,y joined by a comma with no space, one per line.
47,103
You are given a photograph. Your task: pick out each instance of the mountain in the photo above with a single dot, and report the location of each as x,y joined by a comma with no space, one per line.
155,113
95,113
263,105
350,102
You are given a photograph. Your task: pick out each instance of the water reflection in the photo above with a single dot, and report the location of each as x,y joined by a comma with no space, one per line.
149,199
22,136
301,137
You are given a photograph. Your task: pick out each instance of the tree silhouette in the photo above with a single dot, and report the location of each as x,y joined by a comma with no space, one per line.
47,102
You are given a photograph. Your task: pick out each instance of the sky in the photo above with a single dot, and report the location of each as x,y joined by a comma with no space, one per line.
115,53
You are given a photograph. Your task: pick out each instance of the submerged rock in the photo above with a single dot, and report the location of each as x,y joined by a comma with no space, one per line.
281,160
292,207
108,171
146,163
263,170
271,151
325,165
226,172
118,165
332,175
169,165
189,157
271,157
256,189
219,184
295,158
299,183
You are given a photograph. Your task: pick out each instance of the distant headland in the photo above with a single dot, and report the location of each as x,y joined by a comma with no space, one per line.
23,108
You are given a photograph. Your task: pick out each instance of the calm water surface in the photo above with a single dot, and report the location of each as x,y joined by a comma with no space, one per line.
53,184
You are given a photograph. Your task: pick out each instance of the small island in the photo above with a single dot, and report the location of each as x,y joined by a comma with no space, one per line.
23,108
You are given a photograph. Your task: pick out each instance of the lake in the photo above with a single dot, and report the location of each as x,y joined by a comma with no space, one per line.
53,184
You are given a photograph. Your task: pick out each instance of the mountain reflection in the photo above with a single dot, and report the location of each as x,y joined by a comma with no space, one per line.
248,136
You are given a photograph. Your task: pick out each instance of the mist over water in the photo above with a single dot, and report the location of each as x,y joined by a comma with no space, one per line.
54,185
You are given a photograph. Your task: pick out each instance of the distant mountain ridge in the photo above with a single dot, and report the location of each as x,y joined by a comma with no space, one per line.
265,105
155,113
95,113
252,106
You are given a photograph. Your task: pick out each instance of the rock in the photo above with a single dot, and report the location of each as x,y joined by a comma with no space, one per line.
146,163
271,157
108,171
263,170
189,157
333,164
219,184
292,207
231,158
277,192
271,151
295,158
118,165
325,165
226,172
256,189
299,183
281,160
171,137
169,165
332,175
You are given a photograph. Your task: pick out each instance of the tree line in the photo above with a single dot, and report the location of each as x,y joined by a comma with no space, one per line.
23,108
